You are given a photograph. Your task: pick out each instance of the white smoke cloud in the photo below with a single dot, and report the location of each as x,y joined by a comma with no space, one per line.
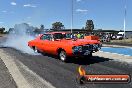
19,38
19,43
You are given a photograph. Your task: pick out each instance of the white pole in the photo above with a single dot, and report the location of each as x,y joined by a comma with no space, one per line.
71,16
125,18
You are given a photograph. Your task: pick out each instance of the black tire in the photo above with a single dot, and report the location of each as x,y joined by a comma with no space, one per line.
62,56
88,56
36,50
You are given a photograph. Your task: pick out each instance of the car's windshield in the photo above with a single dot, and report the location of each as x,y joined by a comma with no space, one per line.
68,35
61,36
58,36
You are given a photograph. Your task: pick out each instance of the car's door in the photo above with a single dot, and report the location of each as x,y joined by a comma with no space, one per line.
44,42
55,43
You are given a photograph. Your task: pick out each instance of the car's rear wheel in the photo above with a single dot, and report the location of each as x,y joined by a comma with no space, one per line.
63,56
36,50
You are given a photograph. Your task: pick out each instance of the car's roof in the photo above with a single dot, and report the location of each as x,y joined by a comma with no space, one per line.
57,32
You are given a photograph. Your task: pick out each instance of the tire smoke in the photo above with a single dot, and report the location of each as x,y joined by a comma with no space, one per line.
19,36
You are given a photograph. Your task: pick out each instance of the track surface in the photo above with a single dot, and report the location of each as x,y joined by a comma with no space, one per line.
6,81
63,75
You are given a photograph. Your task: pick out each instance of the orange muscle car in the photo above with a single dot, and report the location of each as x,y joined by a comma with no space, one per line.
61,44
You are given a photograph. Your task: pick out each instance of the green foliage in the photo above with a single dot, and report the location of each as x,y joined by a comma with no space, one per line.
89,25
57,26
83,28
2,30
11,30
39,30
41,27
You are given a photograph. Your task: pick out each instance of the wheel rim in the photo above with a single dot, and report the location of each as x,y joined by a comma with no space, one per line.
62,56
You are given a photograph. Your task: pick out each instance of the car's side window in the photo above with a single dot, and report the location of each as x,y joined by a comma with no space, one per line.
43,37
58,36
46,37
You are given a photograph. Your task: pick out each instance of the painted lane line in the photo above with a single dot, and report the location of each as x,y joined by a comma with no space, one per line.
116,53
14,71
18,77
40,82
122,58
106,45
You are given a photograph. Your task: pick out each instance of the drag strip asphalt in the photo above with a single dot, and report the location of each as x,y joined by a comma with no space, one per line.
63,75
6,80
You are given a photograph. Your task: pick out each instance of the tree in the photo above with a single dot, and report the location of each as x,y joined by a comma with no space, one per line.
11,30
2,30
41,27
57,26
89,25
37,30
83,28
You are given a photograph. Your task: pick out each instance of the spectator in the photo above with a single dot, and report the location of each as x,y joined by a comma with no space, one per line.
75,36
78,35
82,36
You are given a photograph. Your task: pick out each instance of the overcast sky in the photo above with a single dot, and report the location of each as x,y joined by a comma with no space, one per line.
106,14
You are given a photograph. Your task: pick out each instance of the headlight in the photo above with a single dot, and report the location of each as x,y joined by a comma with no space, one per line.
77,48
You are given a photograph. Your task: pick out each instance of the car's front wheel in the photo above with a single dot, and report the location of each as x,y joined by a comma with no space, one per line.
88,56
63,56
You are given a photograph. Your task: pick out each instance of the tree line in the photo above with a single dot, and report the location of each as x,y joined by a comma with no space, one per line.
89,26
2,30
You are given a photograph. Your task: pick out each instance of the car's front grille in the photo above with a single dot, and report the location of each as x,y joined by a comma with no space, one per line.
87,47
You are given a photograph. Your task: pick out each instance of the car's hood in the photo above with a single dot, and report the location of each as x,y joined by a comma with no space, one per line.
80,42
